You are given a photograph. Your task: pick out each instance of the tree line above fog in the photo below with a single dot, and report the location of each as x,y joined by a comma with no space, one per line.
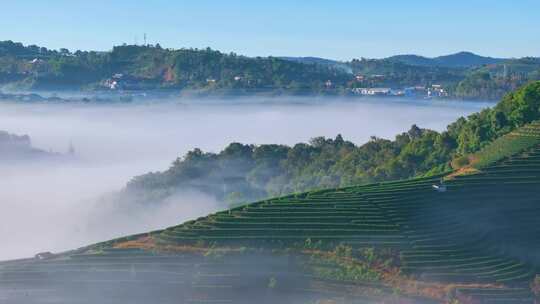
19,148
247,172
133,67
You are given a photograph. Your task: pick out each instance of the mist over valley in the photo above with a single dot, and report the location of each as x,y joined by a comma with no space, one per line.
69,201
278,152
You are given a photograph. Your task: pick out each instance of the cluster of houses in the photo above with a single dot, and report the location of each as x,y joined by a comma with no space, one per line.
433,91
120,81
437,90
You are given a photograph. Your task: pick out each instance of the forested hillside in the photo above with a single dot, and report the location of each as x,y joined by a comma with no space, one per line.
462,59
492,81
245,172
151,67
392,73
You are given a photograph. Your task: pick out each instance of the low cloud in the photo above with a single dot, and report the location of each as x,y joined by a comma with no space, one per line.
51,206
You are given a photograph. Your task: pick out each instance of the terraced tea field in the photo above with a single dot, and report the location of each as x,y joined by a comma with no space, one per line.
138,276
477,238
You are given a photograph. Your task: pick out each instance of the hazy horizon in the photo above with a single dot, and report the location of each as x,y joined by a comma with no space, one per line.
431,56
348,29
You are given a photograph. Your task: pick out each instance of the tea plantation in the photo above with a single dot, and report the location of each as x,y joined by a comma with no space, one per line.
474,237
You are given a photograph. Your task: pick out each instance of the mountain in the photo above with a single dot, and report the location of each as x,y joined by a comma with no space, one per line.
414,60
322,61
458,60
312,60
149,67
466,59
494,80
202,72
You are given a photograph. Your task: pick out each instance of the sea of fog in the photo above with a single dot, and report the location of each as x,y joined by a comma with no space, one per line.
57,206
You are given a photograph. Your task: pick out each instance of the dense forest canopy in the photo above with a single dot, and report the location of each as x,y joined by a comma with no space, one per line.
151,67
492,81
247,172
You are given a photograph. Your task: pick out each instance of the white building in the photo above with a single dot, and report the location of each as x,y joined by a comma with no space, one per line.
373,91
36,61
437,90
329,84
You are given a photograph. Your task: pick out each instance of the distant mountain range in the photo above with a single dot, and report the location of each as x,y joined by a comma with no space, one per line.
203,72
461,59
316,60
458,60
321,61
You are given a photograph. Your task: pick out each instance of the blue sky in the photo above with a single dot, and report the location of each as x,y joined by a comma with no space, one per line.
332,29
